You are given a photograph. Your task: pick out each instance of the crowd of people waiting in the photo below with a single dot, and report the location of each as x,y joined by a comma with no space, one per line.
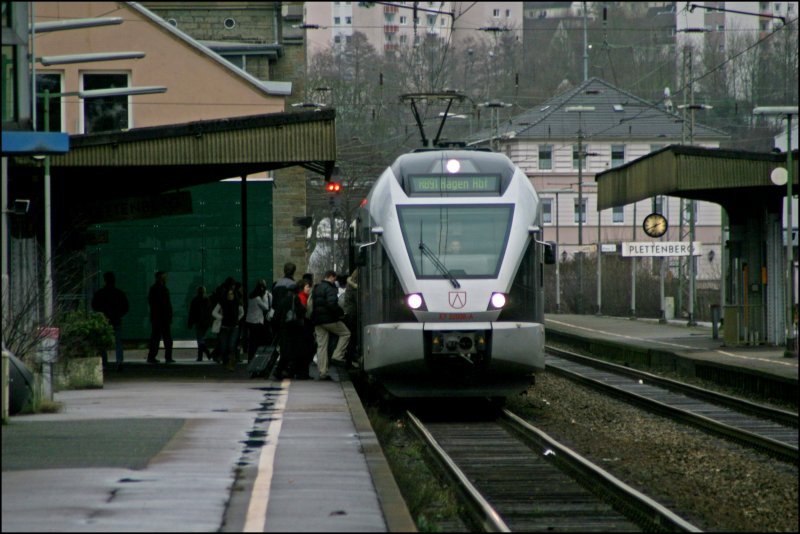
302,321
296,318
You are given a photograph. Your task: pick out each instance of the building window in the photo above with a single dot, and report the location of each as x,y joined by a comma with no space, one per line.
580,211
337,38
545,157
348,20
52,82
618,214
403,19
617,155
108,113
404,39
575,157
431,20
495,12
547,211
337,20
508,13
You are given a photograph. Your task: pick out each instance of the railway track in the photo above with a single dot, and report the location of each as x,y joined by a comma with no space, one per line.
761,427
513,477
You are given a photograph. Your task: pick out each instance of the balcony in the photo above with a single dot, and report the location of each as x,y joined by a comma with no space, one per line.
391,47
390,28
390,9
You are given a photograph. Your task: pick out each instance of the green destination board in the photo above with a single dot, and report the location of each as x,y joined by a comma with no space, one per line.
422,184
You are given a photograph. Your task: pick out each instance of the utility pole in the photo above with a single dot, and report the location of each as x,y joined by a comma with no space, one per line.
581,210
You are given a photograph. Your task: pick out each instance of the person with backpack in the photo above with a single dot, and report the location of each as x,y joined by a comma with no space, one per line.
326,315
280,292
291,316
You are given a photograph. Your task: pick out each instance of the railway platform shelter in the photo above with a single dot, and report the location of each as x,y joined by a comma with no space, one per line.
754,260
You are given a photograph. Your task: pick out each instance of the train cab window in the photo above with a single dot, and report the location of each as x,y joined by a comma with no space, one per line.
468,241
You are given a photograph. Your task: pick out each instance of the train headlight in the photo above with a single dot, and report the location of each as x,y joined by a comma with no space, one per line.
415,301
497,301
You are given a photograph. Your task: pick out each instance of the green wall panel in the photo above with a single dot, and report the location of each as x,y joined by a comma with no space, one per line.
198,249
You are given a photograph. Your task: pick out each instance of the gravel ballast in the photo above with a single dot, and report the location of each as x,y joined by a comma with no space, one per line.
715,484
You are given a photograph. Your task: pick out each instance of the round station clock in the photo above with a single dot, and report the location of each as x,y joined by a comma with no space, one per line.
655,225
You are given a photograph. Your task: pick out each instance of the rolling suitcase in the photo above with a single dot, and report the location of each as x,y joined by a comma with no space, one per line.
263,362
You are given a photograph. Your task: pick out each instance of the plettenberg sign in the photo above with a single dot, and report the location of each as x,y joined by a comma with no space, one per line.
661,248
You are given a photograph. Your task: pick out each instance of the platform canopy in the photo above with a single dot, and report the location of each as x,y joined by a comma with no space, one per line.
736,179
153,160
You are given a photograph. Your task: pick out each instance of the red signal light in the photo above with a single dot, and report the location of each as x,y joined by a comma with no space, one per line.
334,187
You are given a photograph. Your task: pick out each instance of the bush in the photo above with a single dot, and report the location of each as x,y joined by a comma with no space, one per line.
85,334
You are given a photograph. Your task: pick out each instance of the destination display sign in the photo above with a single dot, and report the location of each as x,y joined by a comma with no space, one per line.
426,184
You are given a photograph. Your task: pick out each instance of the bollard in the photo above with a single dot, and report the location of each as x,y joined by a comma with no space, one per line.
47,353
715,321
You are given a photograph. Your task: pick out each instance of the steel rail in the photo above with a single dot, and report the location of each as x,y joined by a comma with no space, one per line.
628,500
478,508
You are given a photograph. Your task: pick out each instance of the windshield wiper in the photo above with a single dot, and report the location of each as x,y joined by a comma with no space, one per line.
439,265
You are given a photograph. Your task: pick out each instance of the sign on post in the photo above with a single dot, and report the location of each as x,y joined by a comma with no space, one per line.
661,248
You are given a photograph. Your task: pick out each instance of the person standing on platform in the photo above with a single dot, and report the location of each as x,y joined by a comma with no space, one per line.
291,315
160,318
229,312
326,315
113,303
306,345
200,319
280,290
259,303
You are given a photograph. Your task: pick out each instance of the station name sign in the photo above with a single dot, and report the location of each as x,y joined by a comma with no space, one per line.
661,248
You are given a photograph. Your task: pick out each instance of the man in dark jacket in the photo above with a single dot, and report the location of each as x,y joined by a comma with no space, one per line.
112,302
326,315
160,318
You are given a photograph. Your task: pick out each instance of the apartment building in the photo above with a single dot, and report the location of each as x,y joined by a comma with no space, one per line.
391,27
608,127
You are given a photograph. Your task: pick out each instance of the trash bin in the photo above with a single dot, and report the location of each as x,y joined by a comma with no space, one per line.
715,316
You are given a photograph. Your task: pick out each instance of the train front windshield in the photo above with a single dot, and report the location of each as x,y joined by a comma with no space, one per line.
466,241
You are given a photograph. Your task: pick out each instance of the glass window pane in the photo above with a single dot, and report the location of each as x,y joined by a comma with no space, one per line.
547,210
617,155
109,113
618,215
545,157
468,240
581,211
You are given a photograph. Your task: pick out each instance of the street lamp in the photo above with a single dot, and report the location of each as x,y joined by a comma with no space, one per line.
787,111
581,211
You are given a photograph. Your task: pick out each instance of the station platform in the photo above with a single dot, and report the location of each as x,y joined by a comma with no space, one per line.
190,446
690,350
